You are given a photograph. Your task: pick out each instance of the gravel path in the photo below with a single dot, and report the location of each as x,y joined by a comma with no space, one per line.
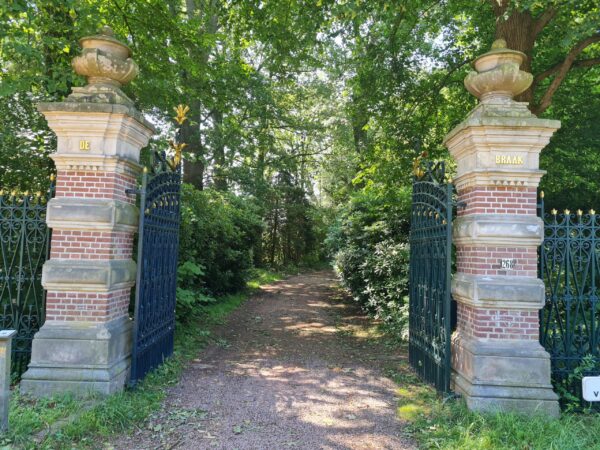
294,367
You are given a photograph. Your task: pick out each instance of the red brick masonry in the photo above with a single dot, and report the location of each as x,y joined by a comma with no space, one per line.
91,245
498,200
101,245
497,323
485,260
109,185
87,306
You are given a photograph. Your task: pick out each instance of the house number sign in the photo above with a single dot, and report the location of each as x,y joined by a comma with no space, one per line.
84,145
508,263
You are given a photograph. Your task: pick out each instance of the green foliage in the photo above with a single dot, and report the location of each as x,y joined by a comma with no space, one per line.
219,232
294,226
190,299
368,243
569,386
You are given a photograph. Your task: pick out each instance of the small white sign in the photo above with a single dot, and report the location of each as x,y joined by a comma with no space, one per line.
508,263
591,389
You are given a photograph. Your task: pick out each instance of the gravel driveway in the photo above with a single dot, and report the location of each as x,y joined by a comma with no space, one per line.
293,368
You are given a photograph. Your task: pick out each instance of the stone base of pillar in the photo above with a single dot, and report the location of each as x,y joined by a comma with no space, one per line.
509,376
80,358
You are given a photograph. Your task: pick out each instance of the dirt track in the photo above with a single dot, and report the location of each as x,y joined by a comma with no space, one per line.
293,367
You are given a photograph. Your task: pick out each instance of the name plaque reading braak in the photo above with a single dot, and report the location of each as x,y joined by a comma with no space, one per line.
509,160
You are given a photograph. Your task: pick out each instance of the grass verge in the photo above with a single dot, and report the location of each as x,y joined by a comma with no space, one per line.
32,421
436,423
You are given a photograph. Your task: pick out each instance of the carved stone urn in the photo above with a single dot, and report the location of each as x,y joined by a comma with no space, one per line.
497,77
107,65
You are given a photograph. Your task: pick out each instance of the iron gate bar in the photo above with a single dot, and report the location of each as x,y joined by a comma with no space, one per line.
24,242
569,265
156,282
430,312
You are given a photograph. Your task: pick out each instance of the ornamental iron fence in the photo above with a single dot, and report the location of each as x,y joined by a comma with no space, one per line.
430,309
24,240
569,265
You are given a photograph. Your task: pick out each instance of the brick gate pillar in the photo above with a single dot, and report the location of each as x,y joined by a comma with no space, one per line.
85,344
497,360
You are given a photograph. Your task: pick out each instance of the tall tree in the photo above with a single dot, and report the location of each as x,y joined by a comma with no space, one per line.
557,36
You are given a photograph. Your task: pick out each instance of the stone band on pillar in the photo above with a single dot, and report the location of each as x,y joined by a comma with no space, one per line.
85,344
496,356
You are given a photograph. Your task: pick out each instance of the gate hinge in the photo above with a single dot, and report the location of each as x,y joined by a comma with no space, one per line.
133,191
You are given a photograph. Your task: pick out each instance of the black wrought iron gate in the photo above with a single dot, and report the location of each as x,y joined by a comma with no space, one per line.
430,312
158,245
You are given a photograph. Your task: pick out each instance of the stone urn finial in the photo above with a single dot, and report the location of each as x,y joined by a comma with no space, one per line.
104,60
498,78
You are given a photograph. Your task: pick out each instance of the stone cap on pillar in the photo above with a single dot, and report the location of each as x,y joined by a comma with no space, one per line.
500,140
98,119
7,334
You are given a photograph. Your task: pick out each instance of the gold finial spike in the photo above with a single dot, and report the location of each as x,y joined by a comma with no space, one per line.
26,193
554,212
541,194
592,212
579,212
52,177
1,192
13,193
145,169
38,194
567,212
181,111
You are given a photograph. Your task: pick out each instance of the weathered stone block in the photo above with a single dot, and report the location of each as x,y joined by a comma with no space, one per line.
92,214
498,230
503,376
88,275
82,358
491,291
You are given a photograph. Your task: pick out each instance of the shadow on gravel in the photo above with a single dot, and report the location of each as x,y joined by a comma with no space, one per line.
294,367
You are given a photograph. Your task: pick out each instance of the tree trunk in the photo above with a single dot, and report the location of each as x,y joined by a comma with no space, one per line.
219,177
519,32
194,168
274,230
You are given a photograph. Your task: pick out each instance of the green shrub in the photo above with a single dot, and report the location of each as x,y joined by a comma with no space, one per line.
370,251
219,232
